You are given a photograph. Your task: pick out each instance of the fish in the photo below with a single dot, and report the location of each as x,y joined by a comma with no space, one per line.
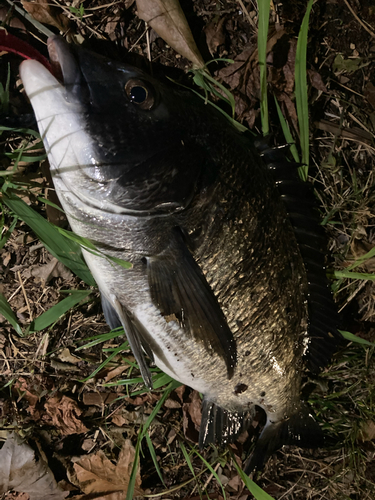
227,290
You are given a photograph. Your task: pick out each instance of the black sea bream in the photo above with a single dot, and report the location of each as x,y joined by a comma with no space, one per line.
227,291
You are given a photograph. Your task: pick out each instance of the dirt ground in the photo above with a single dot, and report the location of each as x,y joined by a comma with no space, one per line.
82,425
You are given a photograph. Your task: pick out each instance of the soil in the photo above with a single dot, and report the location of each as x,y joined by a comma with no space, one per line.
47,395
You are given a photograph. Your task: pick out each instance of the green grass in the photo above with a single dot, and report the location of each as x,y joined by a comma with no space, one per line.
264,14
302,94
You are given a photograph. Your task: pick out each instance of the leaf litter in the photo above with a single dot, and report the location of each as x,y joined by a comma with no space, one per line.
95,474
345,191
23,472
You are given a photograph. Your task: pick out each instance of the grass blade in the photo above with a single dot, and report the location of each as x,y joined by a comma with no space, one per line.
153,456
254,489
334,274
55,312
67,252
353,338
103,337
213,472
286,131
8,232
133,474
9,315
39,26
173,385
116,351
190,465
301,92
264,15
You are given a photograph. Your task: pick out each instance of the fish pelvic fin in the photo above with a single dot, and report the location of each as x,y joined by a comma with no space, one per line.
301,429
181,292
219,426
117,315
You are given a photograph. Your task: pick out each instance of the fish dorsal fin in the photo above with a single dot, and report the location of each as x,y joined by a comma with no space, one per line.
300,203
180,291
117,315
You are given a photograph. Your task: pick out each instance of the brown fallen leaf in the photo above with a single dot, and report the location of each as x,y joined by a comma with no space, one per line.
368,431
215,36
96,474
44,12
20,471
66,357
53,269
370,93
99,398
192,416
316,80
168,20
22,387
64,413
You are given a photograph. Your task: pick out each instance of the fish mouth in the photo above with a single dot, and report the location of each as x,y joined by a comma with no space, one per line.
66,68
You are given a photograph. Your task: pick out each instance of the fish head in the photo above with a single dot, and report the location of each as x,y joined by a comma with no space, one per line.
117,139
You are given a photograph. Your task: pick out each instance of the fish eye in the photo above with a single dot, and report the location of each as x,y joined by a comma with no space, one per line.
140,93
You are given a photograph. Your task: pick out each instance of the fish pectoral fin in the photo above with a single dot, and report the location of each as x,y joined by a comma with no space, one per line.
301,429
180,291
116,315
219,426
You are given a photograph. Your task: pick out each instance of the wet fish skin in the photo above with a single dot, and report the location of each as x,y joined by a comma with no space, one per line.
218,290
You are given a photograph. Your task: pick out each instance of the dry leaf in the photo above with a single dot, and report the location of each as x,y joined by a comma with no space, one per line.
96,474
53,269
65,414
171,403
99,399
192,416
368,430
316,80
115,372
66,357
215,35
22,387
45,13
168,20
20,471
370,93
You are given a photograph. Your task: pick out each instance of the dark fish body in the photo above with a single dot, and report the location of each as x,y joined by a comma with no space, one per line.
221,292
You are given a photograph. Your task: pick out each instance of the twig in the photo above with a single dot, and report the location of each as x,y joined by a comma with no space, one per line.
25,295
148,42
210,477
242,5
14,293
359,20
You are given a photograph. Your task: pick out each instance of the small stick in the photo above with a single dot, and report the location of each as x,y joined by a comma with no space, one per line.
25,295
358,19
242,5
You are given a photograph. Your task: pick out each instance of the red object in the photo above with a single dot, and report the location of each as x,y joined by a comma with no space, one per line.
11,43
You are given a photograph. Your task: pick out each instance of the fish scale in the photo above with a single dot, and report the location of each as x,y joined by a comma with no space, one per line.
227,291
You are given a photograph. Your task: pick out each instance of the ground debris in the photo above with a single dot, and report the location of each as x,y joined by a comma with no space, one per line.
21,471
95,474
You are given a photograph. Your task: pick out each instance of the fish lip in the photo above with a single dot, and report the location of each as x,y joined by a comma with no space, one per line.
66,68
